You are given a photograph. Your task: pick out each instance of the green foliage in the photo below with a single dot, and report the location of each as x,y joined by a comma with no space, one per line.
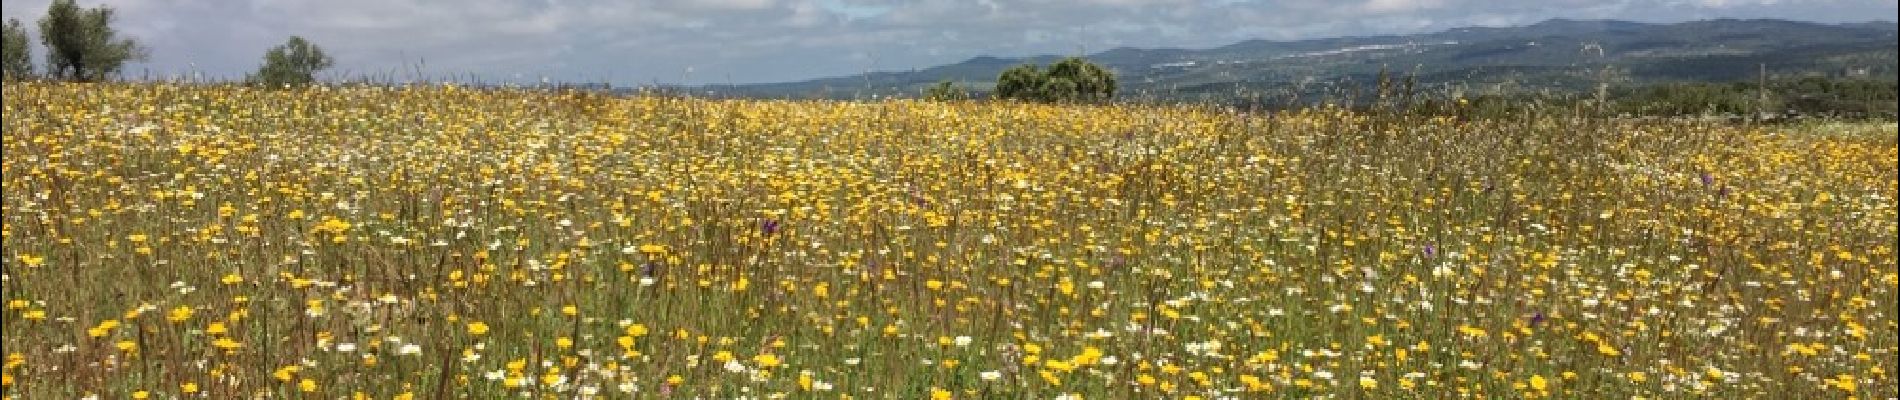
1785,98
1023,82
294,63
1690,99
1072,80
1076,80
946,91
81,44
1851,98
1856,98
15,57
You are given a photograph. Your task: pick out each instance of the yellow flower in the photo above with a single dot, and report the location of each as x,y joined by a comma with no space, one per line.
30,260
939,394
1089,356
477,328
104,328
1608,350
767,360
333,226
1253,383
1845,382
1539,383
226,343
179,314
307,385
1472,332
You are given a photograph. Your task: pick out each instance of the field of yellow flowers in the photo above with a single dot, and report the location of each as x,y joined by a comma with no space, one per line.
169,241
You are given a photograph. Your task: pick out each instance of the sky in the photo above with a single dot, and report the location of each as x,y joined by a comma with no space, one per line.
749,41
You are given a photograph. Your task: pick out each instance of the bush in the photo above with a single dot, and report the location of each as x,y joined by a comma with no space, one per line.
946,91
1072,80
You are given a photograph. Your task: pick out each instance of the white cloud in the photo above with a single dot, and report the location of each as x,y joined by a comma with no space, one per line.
1389,6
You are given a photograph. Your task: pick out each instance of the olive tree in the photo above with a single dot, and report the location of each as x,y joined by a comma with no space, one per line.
15,57
294,63
1071,80
81,44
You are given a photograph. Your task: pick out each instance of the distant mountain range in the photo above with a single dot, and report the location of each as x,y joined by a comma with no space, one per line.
1554,55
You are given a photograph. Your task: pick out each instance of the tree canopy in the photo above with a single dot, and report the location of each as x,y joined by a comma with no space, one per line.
16,59
1071,80
294,63
81,44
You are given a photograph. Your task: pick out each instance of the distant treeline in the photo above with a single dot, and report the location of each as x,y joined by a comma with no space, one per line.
1811,96
1858,98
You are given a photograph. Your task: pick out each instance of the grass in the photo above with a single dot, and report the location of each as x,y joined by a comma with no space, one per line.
220,242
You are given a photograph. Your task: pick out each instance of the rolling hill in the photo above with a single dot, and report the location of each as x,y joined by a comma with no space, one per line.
1554,55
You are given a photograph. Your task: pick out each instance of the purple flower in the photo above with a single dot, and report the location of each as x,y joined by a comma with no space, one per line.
1431,250
1537,318
1707,179
647,269
769,226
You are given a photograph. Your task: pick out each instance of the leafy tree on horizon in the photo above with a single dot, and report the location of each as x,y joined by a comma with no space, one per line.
81,44
1071,80
1022,82
1077,80
16,58
294,63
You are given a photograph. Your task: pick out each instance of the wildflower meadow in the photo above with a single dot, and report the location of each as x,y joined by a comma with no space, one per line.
202,241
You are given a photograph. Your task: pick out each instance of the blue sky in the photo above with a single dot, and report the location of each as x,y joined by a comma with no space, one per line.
744,41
